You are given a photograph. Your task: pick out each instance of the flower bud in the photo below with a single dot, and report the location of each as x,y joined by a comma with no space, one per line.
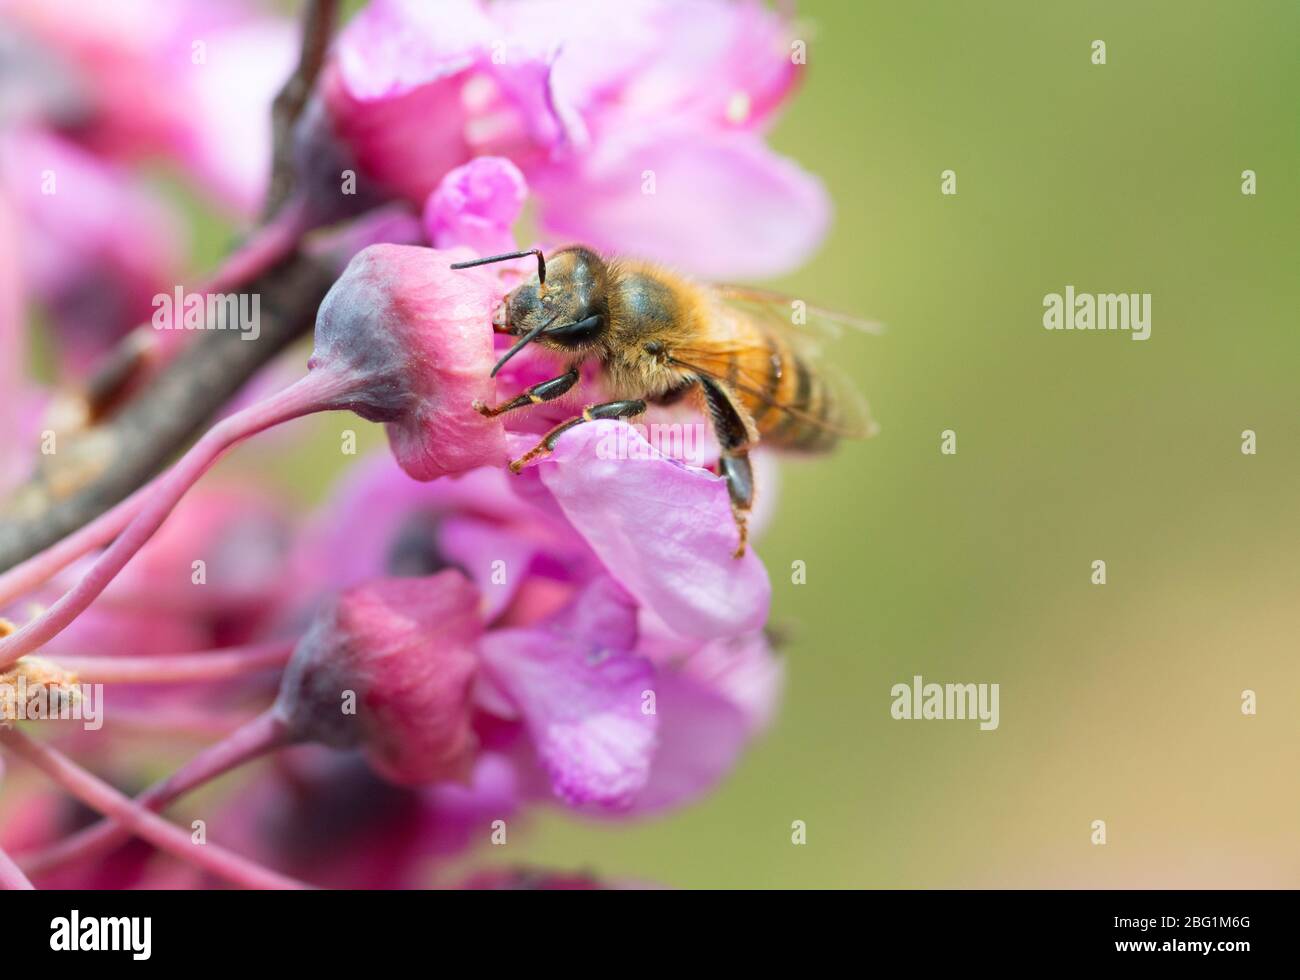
416,338
388,667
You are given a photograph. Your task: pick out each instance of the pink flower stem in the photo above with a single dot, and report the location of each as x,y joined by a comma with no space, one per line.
312,393
265,733
179,668
183,721
38,569
98,795
268,245
11,876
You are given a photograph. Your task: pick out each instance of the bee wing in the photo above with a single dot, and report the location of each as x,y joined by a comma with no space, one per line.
793,313
727,359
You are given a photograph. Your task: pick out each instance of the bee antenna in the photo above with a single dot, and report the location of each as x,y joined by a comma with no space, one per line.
541,261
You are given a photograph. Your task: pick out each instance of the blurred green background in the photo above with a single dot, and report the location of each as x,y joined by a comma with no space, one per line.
1118,702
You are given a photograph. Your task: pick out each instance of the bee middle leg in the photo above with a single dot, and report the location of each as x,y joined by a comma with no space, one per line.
543,391
605,410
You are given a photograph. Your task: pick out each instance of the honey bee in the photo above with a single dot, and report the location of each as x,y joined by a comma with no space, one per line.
661,339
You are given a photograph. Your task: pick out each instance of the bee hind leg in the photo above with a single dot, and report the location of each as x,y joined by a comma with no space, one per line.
605,410
544,391
735,469
735,438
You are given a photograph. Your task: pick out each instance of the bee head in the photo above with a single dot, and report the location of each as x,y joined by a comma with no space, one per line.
564,307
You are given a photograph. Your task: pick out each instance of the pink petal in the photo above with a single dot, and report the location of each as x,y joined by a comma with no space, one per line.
745,671
458,813
580,692
701,736
392,47
663,530
380,496
229,144
400,145
496,556
476,205
723,205
727,63
620,65
394,91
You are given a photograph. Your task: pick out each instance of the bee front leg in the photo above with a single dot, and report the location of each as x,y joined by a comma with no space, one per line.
544,391
605,410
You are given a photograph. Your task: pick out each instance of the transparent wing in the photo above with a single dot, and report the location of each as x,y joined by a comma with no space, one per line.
732,357
794,313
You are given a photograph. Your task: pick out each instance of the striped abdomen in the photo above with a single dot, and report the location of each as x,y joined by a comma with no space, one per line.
791,403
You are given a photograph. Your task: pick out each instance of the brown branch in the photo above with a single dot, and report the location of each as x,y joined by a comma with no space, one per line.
318,21
135,427
95,468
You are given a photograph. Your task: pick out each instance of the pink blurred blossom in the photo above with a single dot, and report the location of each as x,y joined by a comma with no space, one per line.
97,245
188,80
13,350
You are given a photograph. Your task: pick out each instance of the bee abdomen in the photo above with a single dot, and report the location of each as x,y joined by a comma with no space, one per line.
799,410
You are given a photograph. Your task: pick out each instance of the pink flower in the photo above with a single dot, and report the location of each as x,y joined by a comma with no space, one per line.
610,729
638,124
189,80
391,98
721,206
596,627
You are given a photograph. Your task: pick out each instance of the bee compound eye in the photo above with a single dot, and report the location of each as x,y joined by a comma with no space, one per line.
579,332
